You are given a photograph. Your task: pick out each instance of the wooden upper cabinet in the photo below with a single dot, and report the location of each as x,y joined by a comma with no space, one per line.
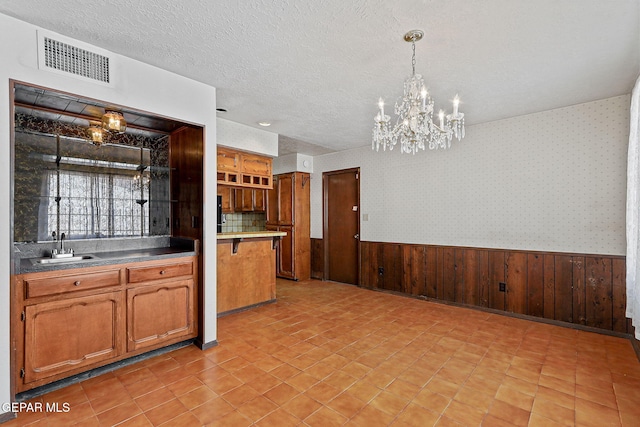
273,203
228,160
256,165
243,200
249,200
228,198
259,200
241,169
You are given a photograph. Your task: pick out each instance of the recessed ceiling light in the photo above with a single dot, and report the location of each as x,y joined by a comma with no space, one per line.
264,124
221,110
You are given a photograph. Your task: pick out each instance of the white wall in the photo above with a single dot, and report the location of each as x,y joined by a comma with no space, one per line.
293,163
137,85
550,181
246,138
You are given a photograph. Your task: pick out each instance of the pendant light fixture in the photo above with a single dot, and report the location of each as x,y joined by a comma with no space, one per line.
414,127
95,133
113,121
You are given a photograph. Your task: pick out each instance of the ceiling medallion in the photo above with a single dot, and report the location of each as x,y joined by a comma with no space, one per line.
414,127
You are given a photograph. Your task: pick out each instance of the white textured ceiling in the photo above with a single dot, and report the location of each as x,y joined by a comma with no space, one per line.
315,69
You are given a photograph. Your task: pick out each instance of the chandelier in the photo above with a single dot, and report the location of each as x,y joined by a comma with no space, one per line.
414,128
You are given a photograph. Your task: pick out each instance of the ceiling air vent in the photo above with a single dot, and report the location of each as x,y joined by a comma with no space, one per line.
67,58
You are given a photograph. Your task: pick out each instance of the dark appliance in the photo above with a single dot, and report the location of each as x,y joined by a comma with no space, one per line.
219,214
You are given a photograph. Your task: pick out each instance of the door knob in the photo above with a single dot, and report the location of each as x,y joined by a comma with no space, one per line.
357,236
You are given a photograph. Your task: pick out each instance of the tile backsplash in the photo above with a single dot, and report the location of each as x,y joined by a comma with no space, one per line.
248,221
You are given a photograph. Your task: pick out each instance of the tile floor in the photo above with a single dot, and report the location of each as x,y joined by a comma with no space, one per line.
329,354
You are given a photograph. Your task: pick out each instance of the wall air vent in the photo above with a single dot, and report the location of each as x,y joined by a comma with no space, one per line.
70,58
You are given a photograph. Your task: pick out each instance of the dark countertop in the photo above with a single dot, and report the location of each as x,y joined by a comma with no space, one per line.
250,234
177,249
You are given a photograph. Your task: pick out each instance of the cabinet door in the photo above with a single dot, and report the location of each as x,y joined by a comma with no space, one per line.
259,200
256,165
285,254
63,336
228,160
286,186
244,200
227,194
272,203
160,313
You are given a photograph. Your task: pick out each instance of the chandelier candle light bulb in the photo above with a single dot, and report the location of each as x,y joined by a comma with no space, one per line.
414,127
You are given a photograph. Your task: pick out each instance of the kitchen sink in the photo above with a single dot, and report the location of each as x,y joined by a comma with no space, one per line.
71,259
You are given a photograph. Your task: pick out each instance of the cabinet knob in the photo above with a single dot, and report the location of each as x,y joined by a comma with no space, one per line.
162,272
76,283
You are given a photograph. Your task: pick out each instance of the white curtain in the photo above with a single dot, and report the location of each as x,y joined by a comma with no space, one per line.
633,213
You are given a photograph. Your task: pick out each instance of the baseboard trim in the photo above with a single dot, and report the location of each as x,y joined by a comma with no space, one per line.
205,345
56,385
248,307
8,416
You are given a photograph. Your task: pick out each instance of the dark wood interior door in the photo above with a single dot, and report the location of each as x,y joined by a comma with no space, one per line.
341,225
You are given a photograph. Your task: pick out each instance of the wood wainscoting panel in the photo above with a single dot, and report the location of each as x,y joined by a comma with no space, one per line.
535,285
516,279
599,292
619,297
582,289
317,259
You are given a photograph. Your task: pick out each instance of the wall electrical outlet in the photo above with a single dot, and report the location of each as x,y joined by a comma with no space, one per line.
502,287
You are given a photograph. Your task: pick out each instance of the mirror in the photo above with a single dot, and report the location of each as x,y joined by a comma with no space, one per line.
64,183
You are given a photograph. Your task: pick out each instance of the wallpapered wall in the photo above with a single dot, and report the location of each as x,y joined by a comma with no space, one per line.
549,181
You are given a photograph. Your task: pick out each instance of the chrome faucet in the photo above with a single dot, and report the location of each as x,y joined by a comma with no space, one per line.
61,253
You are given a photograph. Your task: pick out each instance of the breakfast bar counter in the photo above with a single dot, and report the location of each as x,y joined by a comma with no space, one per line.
246,274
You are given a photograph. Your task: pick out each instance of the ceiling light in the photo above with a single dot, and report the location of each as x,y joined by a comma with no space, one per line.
265,124
414,127
95,133
114,122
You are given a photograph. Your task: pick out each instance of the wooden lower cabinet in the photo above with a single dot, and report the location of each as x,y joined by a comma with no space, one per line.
66,322
159,313
72,333
286,251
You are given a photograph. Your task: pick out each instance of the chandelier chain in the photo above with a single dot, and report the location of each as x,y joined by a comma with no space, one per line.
413,59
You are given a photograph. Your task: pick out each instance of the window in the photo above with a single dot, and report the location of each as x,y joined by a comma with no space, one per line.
97,204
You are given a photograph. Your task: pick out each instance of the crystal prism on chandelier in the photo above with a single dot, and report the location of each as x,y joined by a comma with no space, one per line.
414,128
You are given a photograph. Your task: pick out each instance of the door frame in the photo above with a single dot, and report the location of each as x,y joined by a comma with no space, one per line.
325,220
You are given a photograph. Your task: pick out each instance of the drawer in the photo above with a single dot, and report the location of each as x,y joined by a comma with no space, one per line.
143,274
71,283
